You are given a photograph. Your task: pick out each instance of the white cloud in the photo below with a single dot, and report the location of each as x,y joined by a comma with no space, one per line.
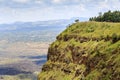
53,9
103,5
106,1
58,1
21,1
109,5
38,14
38,1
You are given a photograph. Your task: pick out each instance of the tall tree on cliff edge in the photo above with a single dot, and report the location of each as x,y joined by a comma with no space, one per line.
107,17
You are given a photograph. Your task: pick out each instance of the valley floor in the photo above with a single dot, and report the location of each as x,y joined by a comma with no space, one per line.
21,60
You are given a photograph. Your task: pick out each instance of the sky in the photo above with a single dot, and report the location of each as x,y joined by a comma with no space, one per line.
42,10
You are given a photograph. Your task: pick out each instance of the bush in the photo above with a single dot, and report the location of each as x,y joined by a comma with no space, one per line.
114,38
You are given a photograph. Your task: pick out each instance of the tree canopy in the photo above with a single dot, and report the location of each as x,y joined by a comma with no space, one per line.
107,17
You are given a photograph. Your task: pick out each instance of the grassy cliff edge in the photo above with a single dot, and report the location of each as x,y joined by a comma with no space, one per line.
84,51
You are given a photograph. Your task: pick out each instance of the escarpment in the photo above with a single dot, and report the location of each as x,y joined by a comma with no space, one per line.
84,51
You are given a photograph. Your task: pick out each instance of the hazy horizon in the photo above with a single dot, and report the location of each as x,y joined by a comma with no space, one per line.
49,20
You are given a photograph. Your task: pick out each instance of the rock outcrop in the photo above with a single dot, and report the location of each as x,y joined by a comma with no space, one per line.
84,51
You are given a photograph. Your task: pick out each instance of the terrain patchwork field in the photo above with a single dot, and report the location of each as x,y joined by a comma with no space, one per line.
23,48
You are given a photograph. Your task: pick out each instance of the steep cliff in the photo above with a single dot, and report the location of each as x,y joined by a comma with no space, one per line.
84,51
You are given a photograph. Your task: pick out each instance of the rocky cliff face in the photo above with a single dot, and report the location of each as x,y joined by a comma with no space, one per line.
84,51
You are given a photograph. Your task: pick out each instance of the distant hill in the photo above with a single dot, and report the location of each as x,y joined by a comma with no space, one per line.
84,51
40,31
39,25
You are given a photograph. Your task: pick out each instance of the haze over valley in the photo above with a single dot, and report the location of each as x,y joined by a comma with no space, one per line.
24,45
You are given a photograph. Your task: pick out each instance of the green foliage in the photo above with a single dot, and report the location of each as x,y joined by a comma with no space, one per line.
114,38
77,20
94,75
107,17
85,51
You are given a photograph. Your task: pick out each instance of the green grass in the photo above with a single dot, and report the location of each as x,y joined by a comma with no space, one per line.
92,29
85,50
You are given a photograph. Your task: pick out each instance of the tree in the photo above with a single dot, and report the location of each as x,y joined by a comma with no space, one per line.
107,17
77,20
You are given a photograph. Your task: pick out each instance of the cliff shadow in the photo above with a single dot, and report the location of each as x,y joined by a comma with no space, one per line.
12,71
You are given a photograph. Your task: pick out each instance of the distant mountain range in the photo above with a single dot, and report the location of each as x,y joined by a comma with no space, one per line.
40,31
39,24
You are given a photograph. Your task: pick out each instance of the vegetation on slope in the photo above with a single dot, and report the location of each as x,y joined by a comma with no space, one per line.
84,51
107,17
